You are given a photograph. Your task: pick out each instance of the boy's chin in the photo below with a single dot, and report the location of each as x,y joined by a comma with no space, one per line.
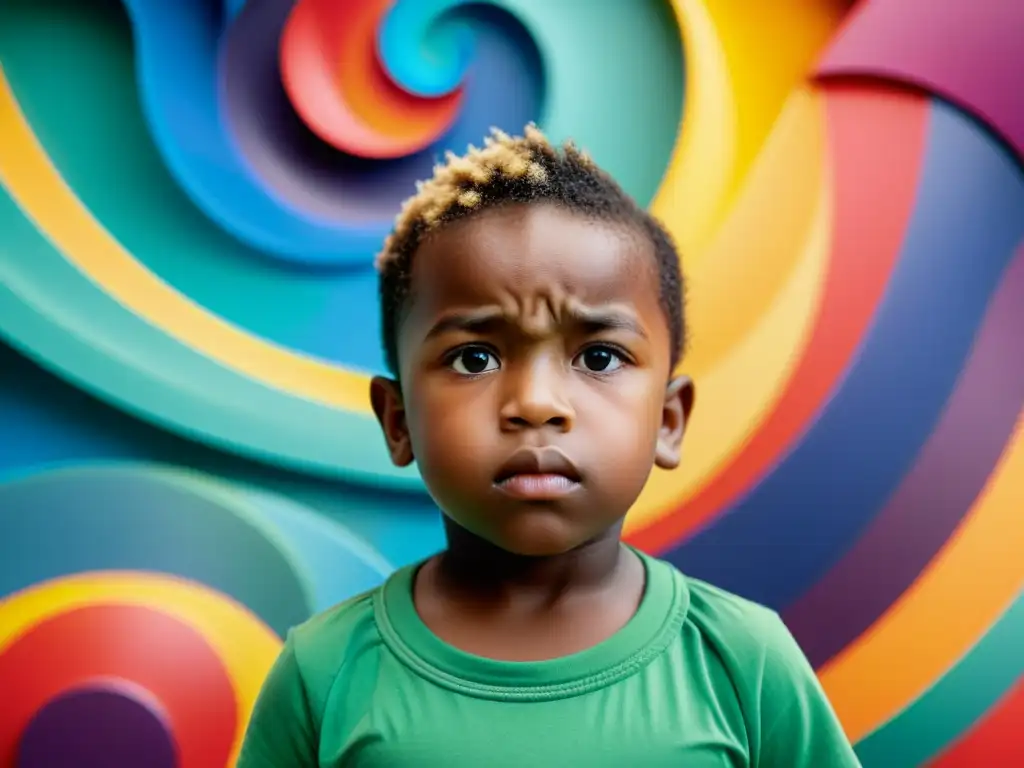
535,549
539,536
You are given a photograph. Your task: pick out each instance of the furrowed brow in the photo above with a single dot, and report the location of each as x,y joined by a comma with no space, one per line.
473,321
607,319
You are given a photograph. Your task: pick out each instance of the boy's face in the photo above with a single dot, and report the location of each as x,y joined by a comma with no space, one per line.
535,365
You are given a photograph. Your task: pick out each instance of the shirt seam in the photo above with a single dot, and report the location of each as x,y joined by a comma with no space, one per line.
619,671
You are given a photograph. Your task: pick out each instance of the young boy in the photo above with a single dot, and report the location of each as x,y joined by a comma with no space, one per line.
532,319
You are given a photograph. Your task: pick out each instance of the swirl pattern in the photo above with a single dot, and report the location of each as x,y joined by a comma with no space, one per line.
157,596
190,197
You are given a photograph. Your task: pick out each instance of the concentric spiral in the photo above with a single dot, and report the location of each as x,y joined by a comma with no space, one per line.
156,598
190,197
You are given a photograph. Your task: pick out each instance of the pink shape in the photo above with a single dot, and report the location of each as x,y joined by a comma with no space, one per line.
970,52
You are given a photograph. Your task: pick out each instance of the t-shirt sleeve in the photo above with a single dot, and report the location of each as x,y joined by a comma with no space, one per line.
799,728
281,731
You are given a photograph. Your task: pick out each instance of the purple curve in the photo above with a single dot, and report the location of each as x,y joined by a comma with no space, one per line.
967,51
97,727
949,474
301,168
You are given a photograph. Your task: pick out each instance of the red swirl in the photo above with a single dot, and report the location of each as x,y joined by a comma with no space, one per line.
150,649
339,87
996,740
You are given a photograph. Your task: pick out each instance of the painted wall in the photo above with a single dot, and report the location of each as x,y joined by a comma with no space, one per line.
190,197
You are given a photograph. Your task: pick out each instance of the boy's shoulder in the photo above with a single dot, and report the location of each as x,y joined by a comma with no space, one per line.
749,637
788,715
751,640
719,611
324,643
339,622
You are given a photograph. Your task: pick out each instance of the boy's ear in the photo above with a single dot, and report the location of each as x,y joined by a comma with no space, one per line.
386,398
675,415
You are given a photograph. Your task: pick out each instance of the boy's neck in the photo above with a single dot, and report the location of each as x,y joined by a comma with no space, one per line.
472,567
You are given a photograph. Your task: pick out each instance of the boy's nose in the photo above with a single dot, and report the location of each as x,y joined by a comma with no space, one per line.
537,398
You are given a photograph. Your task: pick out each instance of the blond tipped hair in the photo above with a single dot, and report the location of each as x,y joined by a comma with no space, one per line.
508,169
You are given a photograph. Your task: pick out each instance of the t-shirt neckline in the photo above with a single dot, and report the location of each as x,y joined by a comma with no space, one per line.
657,619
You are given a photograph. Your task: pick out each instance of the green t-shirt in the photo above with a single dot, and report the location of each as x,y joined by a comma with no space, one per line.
697,677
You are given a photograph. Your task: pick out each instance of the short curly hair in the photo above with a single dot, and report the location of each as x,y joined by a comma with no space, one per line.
507,170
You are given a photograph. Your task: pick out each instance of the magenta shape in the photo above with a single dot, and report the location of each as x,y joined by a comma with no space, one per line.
969,52
97,727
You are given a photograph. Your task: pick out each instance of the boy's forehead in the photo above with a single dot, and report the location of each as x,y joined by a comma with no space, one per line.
526,254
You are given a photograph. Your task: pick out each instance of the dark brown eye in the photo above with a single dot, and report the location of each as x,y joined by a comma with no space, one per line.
598,359
471,361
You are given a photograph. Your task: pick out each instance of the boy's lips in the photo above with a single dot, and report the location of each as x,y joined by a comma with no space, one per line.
538,474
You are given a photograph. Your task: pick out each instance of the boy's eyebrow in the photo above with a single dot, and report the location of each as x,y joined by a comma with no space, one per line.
592,318
607,318
469,320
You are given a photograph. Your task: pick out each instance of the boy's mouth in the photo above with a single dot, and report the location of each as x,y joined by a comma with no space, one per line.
538,474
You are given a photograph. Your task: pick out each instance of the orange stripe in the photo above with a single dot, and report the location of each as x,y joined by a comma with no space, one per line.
877,139
964,590
751,362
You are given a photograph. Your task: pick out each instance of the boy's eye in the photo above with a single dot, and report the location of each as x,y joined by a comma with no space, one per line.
471,361
598,359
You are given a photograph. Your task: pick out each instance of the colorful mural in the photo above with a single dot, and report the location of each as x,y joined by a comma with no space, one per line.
191,194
